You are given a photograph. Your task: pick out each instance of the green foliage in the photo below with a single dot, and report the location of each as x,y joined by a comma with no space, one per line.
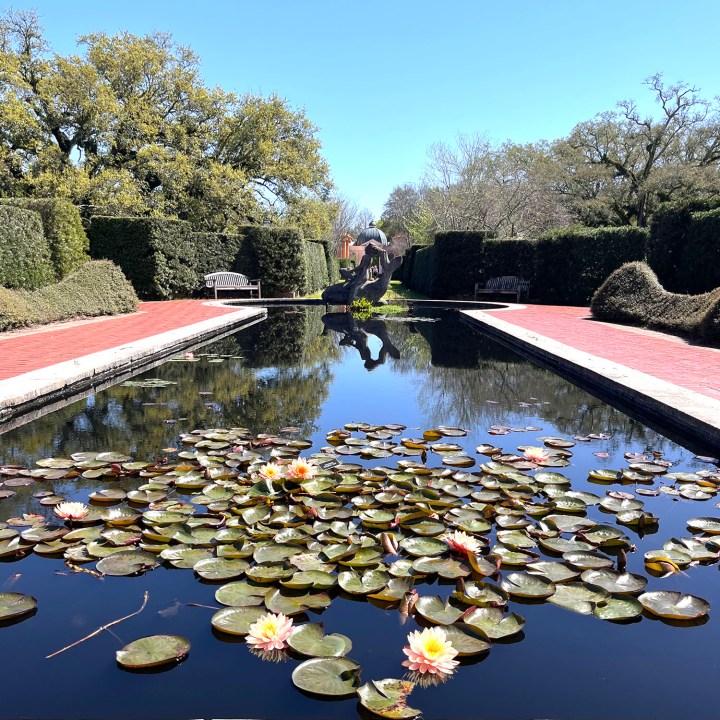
24,251
632,294
63,230
346,263
216,252
280,258
332,261
669,231
128,125
571,263
316,267
699,266
361,309
511,256
459,257
157,254
95,288
423,272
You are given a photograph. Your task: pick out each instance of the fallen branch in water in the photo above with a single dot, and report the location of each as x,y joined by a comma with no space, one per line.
77,569
209,607
100,629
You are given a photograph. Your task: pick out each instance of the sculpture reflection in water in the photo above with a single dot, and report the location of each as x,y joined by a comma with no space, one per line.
356,333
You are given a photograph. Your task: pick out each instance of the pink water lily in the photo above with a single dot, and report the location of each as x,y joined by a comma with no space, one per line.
536,454
270,632
71,510
461,542
301,469
271,471
431,652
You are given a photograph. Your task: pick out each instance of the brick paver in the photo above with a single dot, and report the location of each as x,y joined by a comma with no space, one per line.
24,351
666,357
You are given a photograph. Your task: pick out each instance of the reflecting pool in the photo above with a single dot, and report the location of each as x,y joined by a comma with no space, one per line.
300,375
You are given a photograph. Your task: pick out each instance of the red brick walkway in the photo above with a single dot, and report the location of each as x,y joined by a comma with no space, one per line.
28,350
666,357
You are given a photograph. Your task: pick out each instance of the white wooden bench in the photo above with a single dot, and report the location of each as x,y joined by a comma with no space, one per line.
505,285
231,281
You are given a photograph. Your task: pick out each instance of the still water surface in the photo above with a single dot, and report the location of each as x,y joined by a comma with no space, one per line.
293,369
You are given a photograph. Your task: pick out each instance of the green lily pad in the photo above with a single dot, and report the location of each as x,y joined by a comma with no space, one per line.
616,582
335,677
464,643
434,609
556,571
236,620
240,594
445,567
304,579
708,525
588,560
492,624
579,597
674,605
482,594
220,568
364,583
618,608
153,650
289,602
386,698
127,562
310,639
528,586
14,605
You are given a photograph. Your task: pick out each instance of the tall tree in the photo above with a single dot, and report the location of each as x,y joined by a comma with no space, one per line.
129,126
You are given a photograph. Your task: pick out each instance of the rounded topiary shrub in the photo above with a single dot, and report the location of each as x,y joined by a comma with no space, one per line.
24,251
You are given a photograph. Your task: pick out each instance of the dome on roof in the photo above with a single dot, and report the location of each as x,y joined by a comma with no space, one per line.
371,233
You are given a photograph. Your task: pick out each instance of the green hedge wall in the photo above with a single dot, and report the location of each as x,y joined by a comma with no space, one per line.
280,258
571,263
632,294
24,251
95,288
698,268
509,257
157,255
316,277
216,252
668,243
63,230
459,260
424,271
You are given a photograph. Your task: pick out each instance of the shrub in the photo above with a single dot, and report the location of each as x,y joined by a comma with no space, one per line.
347,263
216,252
571,263
24,251
331,260
280,258
424,270
95,288
63,230
509,257
315,266
669,230
459,260
156,254
698,269
632,294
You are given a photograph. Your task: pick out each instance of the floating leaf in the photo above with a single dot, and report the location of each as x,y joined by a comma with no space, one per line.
528,586
127,562
153,650
240,594
387,698
492,624
220,568
616,582
618,608
334,677
579,597
236,620
433,608
310,639
363,583
674,605
14,605
294,603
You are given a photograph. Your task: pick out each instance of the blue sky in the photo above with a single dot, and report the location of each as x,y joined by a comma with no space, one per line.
384,79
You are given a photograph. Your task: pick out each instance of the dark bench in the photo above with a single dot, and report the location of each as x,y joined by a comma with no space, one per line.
231,281
505,285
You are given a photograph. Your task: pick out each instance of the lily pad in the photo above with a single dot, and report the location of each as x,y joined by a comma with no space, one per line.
220,568
240,594
153,650
618,608
310,639
492,624
433,608
334,677
674,605
528,586
289,602
236,620
579,597
365,583
14,605
616,582
127,562
386,698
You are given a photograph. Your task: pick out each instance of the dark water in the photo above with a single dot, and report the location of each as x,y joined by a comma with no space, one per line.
292,370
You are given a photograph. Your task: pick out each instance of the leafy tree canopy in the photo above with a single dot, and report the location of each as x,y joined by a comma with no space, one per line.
128,126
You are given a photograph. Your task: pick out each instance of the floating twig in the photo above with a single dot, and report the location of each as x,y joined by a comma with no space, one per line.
209,607
78,569
103,627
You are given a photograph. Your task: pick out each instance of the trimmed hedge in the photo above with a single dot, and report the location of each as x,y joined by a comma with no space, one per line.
280,258
63,230
216,252
509,257
669,243
571,263
424,270
698,269
316,277
459,261
24,251
157,255
633,294
95,288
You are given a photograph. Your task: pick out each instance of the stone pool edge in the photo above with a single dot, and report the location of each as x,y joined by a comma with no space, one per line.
690,413
25,397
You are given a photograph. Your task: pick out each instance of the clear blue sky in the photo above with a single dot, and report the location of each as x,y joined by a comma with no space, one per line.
384,79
